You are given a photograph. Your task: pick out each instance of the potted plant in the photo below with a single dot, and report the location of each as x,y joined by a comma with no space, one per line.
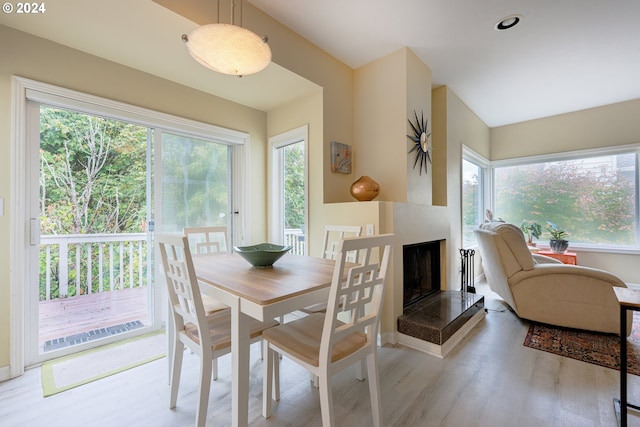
558,242
531,229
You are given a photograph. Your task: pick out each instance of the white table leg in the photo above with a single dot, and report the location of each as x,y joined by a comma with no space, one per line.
240,366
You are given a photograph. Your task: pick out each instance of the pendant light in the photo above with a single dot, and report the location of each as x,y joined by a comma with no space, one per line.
228,48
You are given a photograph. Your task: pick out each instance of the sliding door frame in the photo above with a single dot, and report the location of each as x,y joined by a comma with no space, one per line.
24,90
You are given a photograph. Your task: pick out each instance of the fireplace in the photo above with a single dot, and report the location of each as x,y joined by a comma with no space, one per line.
433,320
421,271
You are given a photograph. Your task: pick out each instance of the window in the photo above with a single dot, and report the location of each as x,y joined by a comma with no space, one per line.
592,195
474,173
288,187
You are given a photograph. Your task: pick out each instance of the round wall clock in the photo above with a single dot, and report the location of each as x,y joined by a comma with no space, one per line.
422,142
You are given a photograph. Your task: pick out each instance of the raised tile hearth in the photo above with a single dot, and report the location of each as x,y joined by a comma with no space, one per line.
438,322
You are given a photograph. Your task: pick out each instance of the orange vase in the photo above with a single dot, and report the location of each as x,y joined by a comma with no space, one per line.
365,189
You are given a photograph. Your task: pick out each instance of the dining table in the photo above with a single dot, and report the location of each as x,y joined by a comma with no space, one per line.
293,282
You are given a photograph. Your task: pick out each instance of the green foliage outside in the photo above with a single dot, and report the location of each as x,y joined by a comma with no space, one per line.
294,185
92,180
92,174
593,202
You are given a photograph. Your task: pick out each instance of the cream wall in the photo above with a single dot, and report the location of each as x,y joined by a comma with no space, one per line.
439,137
455,125
386,93
607,126
303,58
380,107
417,95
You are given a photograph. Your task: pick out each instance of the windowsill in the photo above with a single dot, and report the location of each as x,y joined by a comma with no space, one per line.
599,249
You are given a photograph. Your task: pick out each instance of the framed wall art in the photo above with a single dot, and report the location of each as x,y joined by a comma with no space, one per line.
340,157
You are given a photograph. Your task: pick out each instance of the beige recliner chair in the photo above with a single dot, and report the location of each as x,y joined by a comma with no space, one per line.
544,290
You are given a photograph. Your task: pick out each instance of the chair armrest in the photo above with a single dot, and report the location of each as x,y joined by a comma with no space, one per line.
543,259
568,295
582,272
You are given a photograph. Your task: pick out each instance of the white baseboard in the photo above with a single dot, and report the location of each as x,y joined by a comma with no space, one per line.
387,338
440,351
5,373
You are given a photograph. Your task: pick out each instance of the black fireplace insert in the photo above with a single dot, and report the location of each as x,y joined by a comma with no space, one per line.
421,271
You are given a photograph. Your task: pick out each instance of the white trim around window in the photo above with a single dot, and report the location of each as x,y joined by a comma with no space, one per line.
276,200
484,184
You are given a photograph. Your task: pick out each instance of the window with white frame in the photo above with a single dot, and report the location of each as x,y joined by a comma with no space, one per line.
474,184
288,189
593,195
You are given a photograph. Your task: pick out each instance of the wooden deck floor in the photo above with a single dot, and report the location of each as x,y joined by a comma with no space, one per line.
70,316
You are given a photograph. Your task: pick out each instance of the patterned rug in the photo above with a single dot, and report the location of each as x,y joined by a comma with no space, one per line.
591,347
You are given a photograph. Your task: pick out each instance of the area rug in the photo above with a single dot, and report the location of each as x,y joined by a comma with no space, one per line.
84,367
591,347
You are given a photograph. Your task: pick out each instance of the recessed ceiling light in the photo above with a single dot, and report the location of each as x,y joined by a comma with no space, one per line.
507,22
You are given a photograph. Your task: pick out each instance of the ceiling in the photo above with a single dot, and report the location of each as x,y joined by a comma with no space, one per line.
564,55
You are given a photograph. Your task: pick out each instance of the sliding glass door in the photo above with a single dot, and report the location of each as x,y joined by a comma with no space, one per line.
89,216
101,179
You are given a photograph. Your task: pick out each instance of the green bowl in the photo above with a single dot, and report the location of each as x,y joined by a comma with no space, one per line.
263,254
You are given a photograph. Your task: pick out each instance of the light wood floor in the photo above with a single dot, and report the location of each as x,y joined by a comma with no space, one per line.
490,379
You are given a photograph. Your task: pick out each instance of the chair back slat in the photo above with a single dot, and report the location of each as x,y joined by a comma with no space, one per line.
332,236
356,295
182,286
208,240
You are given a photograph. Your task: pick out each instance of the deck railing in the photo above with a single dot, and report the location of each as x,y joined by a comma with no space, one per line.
80,264
72,265
295,238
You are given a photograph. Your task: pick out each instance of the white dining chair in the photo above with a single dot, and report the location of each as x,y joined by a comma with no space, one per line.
325,345
211,240
332,236
208,336
208,241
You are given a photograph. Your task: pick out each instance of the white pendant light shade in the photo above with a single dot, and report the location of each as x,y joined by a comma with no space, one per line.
228,49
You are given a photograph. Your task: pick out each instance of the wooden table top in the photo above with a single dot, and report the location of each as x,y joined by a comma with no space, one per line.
627,297
290,276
